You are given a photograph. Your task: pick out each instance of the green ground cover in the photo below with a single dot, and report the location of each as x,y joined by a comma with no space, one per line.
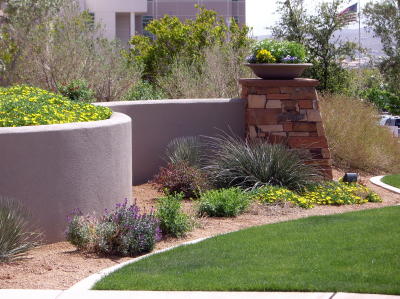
352,252
392,180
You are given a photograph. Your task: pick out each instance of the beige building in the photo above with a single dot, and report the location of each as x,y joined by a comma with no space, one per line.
124,18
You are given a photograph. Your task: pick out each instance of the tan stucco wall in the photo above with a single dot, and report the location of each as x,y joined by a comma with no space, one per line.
54,169
156,123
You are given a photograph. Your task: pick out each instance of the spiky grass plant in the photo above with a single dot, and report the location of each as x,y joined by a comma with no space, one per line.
16,233
252,164
185,150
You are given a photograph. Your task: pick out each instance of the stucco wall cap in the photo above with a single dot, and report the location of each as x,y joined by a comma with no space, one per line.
115,119
171,101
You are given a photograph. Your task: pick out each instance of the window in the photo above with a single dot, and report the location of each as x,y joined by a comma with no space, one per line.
145,21
236,18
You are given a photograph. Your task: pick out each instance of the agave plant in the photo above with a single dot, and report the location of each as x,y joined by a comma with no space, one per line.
252,164
184,150
16,235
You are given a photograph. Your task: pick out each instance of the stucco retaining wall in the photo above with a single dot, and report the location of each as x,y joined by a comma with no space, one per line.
156,123
54,169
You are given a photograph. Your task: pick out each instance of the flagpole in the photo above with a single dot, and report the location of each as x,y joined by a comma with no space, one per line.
359,34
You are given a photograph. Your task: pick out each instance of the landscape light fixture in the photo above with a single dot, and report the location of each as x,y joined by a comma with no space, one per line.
350,177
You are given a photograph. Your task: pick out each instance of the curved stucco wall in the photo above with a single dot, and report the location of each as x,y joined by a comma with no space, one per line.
53,169
156,123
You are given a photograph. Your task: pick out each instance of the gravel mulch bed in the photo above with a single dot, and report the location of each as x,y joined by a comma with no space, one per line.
60,265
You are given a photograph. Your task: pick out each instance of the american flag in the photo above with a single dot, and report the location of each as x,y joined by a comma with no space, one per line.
349,14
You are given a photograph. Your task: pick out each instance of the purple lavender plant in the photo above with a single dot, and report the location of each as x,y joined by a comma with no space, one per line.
290,59
125,231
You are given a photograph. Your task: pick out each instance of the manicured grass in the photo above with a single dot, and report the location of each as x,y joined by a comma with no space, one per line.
353,252
392,180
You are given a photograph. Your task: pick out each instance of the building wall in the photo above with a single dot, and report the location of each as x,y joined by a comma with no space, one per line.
185,9
123,18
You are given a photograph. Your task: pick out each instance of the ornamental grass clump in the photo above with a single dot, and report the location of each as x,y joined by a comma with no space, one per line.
185,150
123,231
223,202
30,106
252,164
16,233
273,51
173,222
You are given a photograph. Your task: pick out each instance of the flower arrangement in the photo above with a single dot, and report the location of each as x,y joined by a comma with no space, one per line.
273,51
30,106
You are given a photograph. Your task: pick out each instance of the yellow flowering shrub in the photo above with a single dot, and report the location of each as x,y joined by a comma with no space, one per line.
265,56
329,193
337,193
272,194
29,106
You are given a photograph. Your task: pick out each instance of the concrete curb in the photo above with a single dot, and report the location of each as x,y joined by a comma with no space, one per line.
59,294
88,282
377,181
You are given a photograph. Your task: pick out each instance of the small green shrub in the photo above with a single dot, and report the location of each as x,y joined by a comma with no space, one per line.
123,231
181,178
223,202
273,51
185,150
252,164
173,221
143,91
81,230
77,90
30,106
16,234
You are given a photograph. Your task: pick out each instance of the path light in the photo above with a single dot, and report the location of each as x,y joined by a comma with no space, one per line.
350,177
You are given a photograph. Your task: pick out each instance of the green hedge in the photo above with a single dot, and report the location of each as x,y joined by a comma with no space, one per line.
30,106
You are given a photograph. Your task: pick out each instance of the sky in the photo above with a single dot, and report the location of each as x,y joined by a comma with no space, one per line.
261,13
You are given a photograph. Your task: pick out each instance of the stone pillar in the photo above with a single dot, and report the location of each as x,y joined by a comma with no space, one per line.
287,111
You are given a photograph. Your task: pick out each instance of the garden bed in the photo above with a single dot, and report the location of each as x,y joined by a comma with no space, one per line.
60,265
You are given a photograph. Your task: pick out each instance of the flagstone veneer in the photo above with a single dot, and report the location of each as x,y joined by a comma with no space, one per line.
287,111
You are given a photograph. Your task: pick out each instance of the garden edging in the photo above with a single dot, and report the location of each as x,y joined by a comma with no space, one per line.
377,181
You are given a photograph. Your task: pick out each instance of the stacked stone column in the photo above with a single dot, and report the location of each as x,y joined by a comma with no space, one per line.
287,111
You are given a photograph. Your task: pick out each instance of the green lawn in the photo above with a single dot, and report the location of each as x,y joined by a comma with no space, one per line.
353,252
392,180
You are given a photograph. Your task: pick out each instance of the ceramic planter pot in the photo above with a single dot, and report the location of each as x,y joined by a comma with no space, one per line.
278,71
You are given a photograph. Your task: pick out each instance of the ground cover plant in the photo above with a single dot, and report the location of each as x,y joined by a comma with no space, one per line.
223,202
352,252
173,222
363,144
16,233
30,106
323,193
251,164
393,180
123,231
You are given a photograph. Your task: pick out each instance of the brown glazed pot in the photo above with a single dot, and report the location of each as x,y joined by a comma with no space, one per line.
282,71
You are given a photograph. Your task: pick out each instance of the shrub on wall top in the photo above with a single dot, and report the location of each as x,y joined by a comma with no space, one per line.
30,106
